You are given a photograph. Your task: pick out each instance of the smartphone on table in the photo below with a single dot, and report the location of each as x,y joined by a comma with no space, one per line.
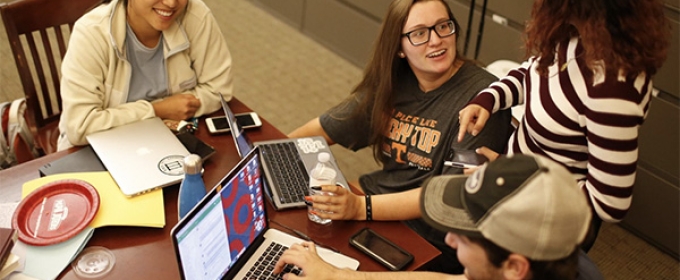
466,159
246,120
381,249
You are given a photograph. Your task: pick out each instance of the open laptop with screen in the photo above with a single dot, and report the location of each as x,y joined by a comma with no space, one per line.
224,236
141,156
286,163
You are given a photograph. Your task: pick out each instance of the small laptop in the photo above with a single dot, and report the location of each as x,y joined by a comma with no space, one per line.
227,234
286,163
141,156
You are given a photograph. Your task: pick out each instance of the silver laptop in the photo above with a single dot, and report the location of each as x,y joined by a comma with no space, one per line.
286,163
226,234
141,156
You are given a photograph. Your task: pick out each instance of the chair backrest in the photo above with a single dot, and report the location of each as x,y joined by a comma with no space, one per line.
38,32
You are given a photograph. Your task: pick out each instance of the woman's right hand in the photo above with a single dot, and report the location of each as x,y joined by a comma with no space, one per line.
305,257
488,153
472,119
342,205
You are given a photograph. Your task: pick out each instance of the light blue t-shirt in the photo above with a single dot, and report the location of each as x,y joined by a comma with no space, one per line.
149,78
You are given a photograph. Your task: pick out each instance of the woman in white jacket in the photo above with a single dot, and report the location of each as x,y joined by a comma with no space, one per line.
129,60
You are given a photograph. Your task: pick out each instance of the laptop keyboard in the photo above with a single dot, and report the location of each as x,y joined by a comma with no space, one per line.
287,171
262,269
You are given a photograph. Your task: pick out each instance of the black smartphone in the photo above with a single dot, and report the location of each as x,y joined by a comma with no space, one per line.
466,159
381,249
195,145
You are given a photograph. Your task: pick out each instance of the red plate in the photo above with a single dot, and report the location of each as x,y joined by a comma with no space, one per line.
55,212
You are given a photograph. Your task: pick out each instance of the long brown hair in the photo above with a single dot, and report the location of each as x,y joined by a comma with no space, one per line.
627,35
384,70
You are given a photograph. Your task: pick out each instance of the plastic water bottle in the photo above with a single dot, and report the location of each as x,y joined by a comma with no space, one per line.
322,174
192,188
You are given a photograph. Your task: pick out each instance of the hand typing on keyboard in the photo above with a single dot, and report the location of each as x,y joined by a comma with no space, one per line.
304,257
262,269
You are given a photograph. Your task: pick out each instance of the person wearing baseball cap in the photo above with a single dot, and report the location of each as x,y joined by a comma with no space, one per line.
518,217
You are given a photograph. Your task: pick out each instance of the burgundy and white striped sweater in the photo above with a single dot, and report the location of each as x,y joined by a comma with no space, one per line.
578,118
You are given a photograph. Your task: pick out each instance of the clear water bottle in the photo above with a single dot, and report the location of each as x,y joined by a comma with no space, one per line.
321,175
192,188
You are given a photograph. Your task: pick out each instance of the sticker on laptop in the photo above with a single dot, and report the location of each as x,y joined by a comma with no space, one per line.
309,145
172,165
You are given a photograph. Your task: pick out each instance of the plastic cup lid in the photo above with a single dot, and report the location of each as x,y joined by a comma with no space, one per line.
94,262
55,212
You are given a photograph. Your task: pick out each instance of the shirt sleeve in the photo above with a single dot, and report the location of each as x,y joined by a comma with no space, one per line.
211,60
83,90
506,92
347,124
614,113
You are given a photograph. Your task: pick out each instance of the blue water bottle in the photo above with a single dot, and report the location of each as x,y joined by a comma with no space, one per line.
192,188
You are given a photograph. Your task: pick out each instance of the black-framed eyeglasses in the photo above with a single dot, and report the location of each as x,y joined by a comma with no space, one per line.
422,35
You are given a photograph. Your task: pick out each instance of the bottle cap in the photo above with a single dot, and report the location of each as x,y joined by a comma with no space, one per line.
192,164
323,157
94,262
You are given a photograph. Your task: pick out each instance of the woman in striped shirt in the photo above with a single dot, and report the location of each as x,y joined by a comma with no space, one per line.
586,89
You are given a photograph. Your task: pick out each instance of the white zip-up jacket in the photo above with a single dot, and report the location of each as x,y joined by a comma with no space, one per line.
95,76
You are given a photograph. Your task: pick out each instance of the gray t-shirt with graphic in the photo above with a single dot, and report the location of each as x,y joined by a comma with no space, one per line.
422,131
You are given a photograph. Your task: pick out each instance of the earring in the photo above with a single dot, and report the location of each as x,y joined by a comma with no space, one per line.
402,55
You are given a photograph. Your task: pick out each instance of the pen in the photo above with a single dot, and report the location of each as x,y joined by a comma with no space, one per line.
301,235
459,164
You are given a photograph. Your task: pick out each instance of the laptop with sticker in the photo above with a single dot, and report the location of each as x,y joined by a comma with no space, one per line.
286,163
141,156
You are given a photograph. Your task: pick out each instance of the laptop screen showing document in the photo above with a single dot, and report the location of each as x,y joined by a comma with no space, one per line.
226,234
224,225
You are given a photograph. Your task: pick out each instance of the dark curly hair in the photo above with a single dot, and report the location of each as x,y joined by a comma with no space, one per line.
631,36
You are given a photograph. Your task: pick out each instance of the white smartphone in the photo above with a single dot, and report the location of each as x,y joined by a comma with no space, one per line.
246,120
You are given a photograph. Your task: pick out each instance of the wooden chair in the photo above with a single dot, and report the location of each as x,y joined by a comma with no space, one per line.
38,31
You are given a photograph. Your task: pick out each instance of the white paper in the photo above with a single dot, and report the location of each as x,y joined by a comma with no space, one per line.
6,213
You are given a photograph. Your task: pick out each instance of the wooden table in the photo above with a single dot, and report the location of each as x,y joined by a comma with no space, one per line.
148,252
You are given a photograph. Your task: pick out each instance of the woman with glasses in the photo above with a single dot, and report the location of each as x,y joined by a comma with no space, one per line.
405,108
129,60
587,89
